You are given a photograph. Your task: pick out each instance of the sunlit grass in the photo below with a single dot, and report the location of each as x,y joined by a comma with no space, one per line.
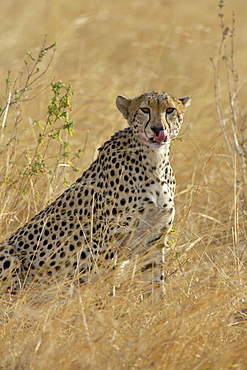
104,49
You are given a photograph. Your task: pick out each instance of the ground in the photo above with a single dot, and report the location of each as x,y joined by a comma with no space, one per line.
104,49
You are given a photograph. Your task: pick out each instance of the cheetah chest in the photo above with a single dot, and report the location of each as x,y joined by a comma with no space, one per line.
154,214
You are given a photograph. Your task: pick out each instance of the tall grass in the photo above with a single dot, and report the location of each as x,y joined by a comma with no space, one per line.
45,159
232,117
108,48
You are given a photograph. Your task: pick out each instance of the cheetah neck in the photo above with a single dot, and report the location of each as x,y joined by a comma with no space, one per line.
158,160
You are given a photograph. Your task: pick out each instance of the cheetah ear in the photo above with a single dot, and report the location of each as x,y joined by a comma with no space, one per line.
123,104
186,101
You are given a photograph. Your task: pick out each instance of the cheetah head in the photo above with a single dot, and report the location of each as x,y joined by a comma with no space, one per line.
155,117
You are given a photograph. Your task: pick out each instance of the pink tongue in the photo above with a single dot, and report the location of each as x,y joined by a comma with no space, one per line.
162,136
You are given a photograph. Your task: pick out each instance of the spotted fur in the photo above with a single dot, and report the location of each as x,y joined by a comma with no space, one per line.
123,201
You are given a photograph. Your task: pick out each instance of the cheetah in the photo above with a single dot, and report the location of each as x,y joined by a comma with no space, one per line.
123,202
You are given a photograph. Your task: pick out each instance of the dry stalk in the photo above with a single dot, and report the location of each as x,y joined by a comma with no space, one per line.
232,119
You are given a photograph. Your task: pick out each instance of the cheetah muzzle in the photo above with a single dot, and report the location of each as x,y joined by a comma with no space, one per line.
123,202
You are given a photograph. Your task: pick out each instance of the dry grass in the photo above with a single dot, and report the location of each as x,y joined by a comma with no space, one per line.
105,48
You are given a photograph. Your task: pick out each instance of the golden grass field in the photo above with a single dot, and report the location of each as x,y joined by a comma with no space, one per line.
105,48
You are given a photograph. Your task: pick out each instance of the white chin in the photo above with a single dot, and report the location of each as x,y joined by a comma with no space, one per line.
153,143
157,144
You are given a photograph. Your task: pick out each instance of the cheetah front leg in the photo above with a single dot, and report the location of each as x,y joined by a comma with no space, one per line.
153,272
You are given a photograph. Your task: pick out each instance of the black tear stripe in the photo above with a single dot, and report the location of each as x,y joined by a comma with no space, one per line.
168,124
147,124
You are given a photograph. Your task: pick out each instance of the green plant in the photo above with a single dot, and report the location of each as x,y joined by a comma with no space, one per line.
35,150
51,132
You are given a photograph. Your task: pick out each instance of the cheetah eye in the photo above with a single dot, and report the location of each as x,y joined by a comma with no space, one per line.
145,110
170,110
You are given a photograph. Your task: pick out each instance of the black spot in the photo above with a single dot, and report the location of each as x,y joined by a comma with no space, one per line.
6,264
71,247
122,201
30,236
83,255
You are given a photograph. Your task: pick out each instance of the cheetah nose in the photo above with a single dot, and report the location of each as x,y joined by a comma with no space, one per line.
157,129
